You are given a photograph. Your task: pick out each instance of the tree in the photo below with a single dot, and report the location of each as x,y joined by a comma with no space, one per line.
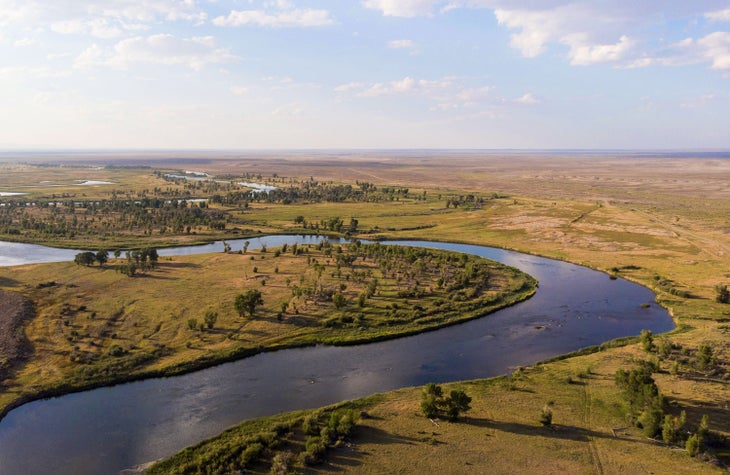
456,403
210,318
85,258
546,415
247,302
430,398
339,300
434,404
102,257
245,246
723,294
647,340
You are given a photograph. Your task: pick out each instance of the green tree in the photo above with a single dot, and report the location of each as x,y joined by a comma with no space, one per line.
339,300
85,258
705,357
101,257
210,318
546,415
456,403
722,294
430,399
434,404
247,302
647,340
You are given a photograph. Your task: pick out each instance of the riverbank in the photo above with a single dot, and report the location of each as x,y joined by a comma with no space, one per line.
15,310
97,327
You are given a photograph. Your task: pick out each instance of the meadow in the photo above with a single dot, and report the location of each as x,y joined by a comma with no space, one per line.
658,221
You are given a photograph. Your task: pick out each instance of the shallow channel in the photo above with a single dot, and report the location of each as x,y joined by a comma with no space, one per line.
109,429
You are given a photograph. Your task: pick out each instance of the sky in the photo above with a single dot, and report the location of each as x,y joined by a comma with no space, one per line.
364,74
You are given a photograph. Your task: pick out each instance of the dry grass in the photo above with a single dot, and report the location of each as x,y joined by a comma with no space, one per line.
664,218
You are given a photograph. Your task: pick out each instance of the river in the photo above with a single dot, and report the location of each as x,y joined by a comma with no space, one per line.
109,429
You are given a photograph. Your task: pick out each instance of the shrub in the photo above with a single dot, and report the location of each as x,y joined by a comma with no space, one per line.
671,427
693,445
647,340
546,416
310,425
250,453
280,463
210,318
705,357
650,419
432,393
722,294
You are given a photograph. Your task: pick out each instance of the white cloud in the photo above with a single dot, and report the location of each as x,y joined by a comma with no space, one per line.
719,15
446,94
284,15
89,58
583,54
715,47
581,27
195,53
20,73
528,99
97,17
24,42
407,85
593,32
401,44
403,8
537,29
97,27
239,90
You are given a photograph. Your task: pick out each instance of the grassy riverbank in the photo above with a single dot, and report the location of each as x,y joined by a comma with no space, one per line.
659,223
97,326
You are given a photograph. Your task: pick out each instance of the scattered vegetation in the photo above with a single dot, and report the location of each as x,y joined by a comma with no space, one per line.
434,404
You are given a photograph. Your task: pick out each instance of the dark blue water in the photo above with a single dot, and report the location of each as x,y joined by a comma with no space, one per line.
109,429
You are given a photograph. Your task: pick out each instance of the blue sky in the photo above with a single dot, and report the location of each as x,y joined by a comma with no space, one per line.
251,74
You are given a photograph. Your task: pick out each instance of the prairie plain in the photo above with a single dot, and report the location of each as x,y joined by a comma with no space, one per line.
656,219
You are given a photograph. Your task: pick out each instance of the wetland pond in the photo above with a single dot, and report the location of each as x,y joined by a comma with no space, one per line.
110,429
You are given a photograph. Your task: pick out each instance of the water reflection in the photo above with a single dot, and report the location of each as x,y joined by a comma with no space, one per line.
108,429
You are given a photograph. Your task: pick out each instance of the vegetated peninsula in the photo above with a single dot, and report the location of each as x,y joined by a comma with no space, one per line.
103,320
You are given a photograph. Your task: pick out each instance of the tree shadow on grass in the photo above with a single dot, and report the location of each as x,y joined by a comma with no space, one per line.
347,456
558,431
8,282
177,265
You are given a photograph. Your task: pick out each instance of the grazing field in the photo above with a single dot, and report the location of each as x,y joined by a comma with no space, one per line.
658,220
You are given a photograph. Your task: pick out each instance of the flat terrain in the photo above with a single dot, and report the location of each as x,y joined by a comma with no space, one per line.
657,220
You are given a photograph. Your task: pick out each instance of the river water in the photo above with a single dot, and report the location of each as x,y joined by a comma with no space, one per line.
109,429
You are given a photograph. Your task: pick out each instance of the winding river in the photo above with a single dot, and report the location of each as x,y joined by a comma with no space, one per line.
109,429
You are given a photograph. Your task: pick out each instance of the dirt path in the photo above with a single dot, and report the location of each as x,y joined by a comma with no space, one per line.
592,447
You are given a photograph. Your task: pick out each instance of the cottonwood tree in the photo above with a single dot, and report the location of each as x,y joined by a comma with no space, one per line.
247,302
434,404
